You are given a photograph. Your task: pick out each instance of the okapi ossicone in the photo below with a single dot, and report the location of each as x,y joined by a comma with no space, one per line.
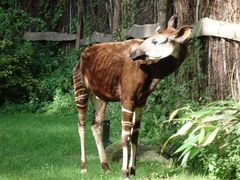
127,72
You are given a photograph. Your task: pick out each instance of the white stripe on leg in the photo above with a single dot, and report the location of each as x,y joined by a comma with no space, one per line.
136,121
98,139
125,158
133,155
81,131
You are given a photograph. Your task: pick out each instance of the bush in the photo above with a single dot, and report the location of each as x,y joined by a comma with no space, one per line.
17,64
56,72
211,133
53,82
31,73
226,164
62,103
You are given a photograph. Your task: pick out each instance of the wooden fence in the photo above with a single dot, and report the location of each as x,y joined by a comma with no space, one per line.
205,27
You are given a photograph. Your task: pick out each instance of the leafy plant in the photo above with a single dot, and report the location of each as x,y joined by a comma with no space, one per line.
17,64
215,127
224,165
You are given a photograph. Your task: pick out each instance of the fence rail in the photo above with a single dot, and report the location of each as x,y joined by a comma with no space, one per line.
205,27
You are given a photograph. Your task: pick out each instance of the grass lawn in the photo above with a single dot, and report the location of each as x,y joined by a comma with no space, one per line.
46,146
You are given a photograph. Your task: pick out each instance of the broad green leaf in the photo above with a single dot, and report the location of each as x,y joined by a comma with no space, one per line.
201,114
232,111
164,145
198,128
221,117
237,106
194,152
187,144
185,151
175,112
183,130
182,119
185,158
220,103
201,136
210,138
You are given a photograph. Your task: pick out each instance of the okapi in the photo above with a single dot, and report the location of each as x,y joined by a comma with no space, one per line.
126,72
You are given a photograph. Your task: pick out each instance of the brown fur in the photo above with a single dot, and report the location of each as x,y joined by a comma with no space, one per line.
109,73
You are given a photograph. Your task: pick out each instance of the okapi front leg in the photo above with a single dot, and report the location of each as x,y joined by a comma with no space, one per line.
99,112
127,115
134,139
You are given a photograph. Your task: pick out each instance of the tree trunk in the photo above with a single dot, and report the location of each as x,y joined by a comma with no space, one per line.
221,55
163,11
79,23
116,13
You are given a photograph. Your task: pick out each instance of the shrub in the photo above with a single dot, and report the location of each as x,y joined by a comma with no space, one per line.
62,103
211,133
31,72
17,76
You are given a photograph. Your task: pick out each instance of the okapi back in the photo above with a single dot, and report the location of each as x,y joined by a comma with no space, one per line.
101,66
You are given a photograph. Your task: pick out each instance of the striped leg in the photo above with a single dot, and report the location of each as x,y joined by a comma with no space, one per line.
134,138
99,112
81,98
127,116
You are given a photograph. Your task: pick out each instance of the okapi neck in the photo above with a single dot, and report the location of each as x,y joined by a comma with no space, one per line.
161,68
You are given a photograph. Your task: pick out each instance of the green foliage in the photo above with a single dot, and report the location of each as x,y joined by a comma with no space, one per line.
51,15
17,79
32,73
12,24
56,70
213,131
128,15
62,103
129,12
57,14
114,113
16,63
225,165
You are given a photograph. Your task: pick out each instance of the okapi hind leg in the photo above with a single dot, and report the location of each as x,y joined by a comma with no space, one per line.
134,139
99,112
81,99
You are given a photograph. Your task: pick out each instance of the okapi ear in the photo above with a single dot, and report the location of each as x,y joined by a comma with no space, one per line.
183,34
158,28
172,22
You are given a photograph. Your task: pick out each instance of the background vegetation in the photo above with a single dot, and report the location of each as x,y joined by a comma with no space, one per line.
35,77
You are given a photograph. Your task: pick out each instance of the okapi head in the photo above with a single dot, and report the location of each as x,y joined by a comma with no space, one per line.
163,43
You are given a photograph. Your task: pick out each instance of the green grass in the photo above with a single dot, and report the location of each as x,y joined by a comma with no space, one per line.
46,146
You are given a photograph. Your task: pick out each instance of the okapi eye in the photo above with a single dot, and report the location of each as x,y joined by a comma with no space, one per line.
154,41
160,40
166,40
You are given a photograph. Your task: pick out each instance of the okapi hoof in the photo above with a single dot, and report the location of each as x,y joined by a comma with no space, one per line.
83,167
105,167
132,171
125,174
83,171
